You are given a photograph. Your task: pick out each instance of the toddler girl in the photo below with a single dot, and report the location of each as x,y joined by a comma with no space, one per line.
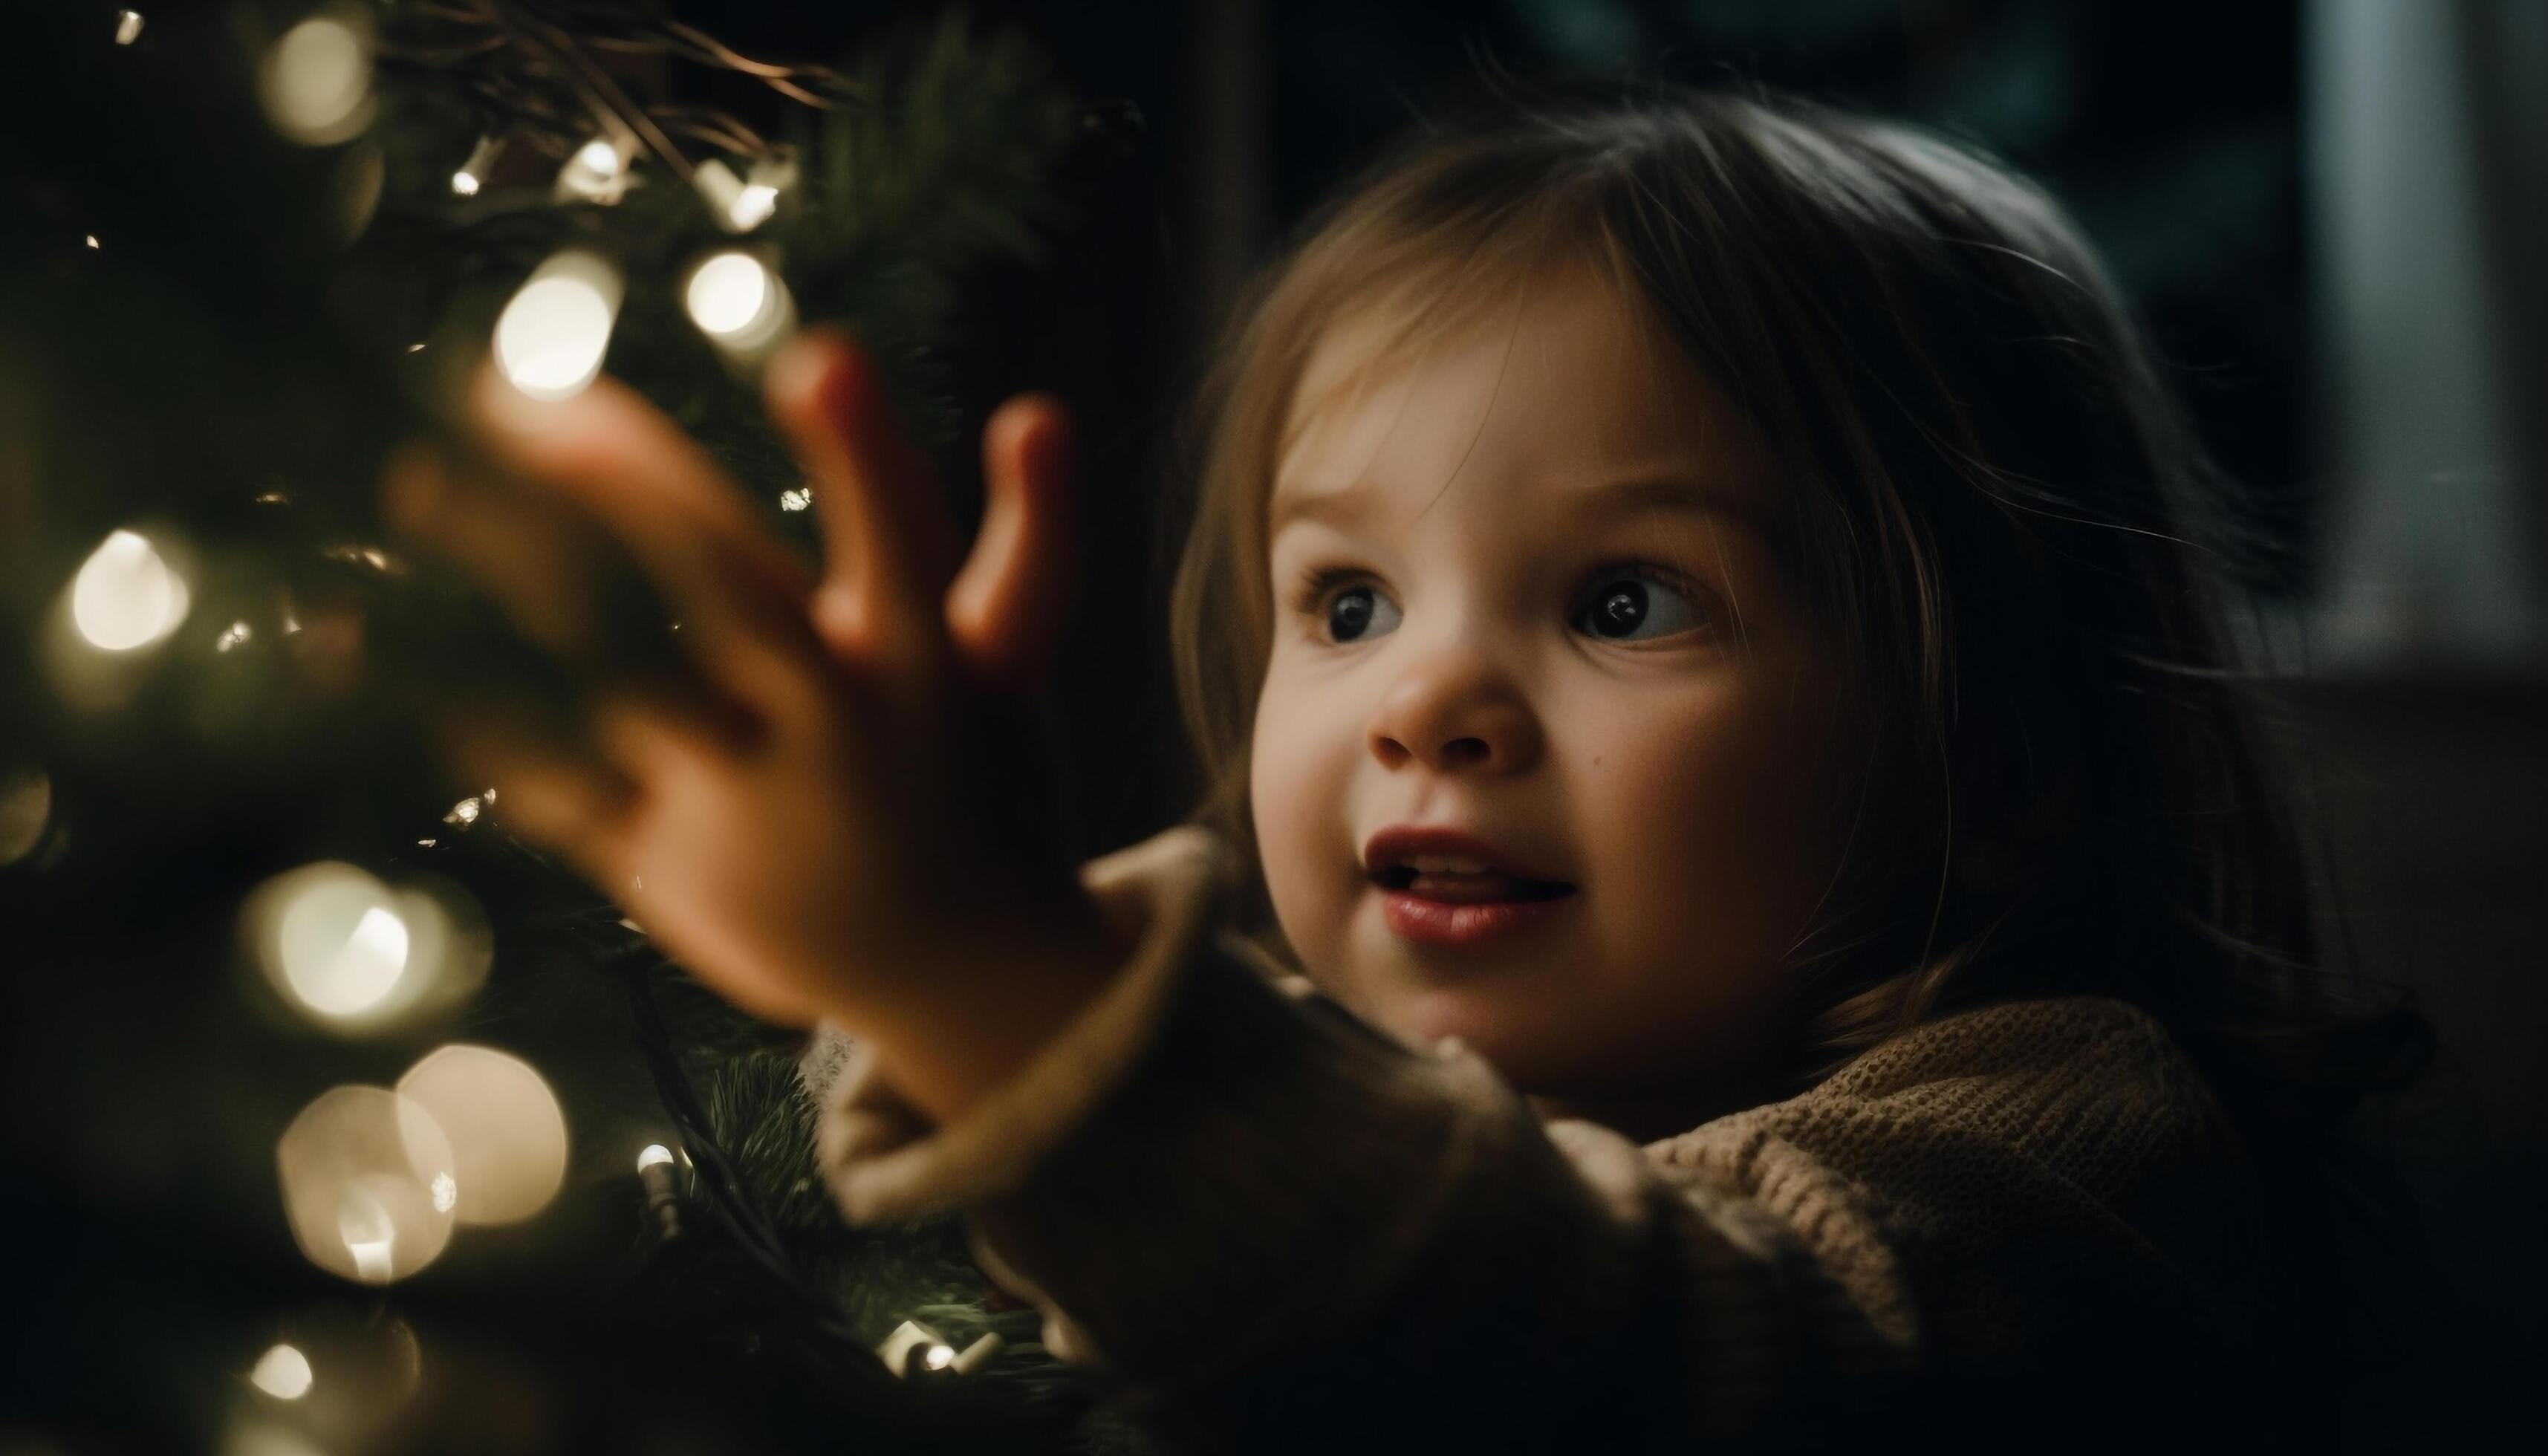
1736,899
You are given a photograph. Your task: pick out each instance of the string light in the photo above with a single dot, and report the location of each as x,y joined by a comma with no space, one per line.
743,308
359,1168
481,166
91,239
231,636
358,956
127,26
796,499
125,596
935,1352
597,172
316,80
552,336
282,1372
508,1143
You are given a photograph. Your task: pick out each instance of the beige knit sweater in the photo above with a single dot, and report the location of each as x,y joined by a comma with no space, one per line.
1274,1227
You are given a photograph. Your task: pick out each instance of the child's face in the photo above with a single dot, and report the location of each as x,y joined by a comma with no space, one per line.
1672,753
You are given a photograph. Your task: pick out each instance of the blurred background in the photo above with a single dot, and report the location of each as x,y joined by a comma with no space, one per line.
2332,213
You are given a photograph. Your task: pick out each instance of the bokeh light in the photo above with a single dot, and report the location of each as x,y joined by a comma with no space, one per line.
729,294
356,954
739,303
553,335
358,1169
507,1134
316,81
26,807
126,596
282,1372
127,26
597,172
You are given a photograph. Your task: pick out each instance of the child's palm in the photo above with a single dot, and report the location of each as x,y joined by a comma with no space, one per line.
809,830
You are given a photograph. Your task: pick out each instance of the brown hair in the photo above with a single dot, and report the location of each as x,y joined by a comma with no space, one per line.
2001,519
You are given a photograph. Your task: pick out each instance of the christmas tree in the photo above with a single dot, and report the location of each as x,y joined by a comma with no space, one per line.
341,1118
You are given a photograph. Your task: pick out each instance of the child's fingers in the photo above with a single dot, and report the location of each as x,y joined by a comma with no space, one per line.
738,594
1010,601
890,548
520,560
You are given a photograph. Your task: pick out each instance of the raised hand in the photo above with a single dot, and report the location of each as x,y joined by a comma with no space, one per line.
842,815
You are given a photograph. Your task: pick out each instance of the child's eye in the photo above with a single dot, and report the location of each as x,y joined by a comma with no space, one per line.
1631,595
1635,595
1351,612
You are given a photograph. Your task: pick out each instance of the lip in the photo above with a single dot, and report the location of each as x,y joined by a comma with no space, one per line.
1442,922
1398,841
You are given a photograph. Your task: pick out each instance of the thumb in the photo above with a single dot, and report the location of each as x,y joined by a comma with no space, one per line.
1007,608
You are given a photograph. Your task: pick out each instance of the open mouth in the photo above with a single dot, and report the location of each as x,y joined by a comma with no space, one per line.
1461,887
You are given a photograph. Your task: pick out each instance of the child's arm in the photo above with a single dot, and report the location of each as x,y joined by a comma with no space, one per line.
1282,1230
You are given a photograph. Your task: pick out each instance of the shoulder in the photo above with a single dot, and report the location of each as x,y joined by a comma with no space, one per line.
2039,1175
2073,1108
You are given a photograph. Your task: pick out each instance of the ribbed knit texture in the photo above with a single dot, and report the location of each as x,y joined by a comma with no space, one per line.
1276,1228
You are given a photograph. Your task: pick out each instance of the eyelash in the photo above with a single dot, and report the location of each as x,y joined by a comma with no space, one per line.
1309,594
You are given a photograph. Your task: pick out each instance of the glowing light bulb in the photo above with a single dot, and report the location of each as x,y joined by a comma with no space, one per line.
729,294
552,336
481,166
316,81
341,969
654,1155
941,1356
752,205
91,239
127,26
741,306
507,1134
358,1170
796,499
598,155
126,596
282,1372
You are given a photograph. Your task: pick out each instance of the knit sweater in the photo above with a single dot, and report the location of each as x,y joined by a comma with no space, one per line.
1269,1226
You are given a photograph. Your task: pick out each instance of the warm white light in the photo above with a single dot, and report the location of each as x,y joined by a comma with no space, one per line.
343,952
941,1356
282,1372
91,239
26,806
465,183
597,172
233,635
126,596
358,1170
127,26
752,205
740,305
729,294
358,954
653,1155
552,337
507,1134
318,81
796,499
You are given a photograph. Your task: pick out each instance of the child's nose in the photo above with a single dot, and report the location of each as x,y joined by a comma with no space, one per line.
1456,717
